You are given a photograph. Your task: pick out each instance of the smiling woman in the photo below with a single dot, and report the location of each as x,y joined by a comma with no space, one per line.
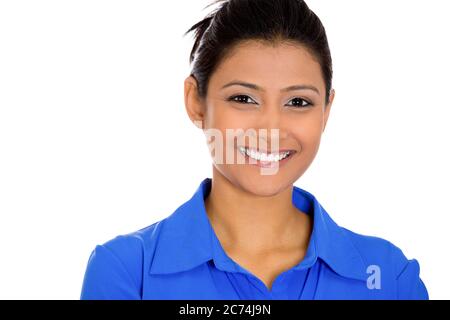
258,66
274,93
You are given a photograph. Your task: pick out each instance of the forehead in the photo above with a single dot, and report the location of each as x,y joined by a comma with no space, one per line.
270,65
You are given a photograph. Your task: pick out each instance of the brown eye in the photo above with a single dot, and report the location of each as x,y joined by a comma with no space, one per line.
299,103
241,98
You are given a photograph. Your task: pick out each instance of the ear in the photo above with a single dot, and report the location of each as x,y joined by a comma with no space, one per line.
195,106
327,108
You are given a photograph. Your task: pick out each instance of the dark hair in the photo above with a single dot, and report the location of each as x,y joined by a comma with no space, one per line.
271,21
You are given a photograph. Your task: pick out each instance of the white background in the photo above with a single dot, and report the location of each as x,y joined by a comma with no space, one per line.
95,141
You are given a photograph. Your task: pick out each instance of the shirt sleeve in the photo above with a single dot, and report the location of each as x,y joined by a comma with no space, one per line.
410,285
107,278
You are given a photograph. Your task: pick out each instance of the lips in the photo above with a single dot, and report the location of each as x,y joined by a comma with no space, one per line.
264,157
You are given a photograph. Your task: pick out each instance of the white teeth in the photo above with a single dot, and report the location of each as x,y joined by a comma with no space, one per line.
271,157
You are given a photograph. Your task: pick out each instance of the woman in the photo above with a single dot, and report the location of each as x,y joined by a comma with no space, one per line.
261,71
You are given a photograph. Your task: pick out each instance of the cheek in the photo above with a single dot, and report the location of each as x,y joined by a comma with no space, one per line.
307,131
223,116
218,119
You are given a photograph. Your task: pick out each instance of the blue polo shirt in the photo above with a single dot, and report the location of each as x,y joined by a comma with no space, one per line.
180,257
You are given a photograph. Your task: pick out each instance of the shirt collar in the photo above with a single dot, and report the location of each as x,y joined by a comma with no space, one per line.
187,239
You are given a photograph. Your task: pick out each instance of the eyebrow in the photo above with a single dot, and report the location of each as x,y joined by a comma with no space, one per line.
256,87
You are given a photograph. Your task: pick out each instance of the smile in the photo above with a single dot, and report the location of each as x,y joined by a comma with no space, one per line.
265,157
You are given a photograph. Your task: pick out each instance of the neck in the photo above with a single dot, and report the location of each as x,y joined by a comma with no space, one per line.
255,223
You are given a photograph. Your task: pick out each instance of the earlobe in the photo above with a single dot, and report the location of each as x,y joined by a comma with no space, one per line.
193,104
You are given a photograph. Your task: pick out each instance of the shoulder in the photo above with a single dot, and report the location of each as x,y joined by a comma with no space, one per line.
130,247
391,261
376,249
115,268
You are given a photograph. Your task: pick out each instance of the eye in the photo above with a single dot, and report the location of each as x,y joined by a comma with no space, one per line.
243,99
299,103
240,98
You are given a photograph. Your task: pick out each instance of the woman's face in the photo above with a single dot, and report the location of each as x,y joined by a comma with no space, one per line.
300,114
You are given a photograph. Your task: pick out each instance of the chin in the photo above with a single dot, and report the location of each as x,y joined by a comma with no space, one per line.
251,181
259,185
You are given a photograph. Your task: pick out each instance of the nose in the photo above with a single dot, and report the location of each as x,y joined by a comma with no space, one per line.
271,118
